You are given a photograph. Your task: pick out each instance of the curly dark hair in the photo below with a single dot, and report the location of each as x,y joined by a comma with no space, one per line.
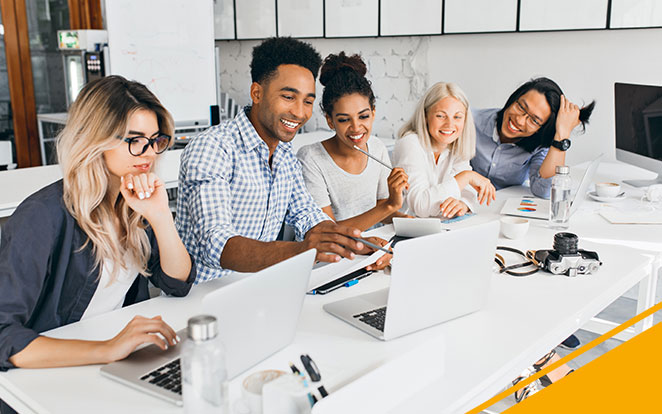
343,75
552,91
276,51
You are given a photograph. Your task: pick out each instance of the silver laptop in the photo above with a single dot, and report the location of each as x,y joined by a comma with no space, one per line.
433,279
257,316
416,227
538,208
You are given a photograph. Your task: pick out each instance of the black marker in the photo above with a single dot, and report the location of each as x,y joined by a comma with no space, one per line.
313,372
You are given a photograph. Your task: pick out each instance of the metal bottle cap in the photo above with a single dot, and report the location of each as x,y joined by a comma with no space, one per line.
202,328
562,169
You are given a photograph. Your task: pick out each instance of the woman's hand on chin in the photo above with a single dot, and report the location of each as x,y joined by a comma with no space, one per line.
146,194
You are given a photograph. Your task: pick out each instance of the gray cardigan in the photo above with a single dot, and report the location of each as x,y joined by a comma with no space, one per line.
46,280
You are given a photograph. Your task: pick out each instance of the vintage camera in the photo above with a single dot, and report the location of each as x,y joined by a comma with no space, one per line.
566,259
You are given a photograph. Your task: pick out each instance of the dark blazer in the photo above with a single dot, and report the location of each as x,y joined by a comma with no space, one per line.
47,281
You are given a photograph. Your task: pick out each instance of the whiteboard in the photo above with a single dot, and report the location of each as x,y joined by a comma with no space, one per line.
351,18
412,17
480,16
563,14
158,47
636,13
224,19
256,19
300,18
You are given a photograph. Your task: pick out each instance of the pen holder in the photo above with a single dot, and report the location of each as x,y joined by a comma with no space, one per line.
286,395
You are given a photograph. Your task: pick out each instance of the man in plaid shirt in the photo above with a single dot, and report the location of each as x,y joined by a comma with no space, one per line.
240,180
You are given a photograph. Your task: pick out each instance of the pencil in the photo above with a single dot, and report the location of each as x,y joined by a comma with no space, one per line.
373,245
356,147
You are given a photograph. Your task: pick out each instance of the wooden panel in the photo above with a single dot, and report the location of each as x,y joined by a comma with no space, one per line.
21,88
85,14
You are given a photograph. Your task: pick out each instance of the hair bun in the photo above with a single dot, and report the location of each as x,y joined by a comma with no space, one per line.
336,64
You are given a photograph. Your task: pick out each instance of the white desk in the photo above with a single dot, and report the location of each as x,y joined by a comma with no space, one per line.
590,226
468,359
451,367
17,185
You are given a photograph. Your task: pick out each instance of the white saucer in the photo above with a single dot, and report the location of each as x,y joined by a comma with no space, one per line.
596,197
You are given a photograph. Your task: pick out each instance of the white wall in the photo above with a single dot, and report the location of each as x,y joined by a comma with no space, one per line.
585,64
488,67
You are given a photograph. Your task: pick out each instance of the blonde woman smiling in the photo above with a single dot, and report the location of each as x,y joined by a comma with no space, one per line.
86,244
434,148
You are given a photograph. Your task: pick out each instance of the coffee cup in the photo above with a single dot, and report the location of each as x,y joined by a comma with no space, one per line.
610,190
286,395
514,227
252,386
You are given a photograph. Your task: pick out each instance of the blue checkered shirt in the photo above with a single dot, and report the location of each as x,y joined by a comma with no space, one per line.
227,188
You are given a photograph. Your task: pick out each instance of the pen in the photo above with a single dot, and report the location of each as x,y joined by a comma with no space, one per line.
313,372
346,281
373,245
311,398
356,147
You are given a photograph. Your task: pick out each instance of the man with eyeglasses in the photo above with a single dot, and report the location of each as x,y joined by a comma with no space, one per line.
528,137
240,181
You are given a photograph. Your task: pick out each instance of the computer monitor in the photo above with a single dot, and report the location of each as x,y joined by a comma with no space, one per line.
639,128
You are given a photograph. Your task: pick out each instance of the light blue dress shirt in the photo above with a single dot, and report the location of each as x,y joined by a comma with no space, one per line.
506,164
227,188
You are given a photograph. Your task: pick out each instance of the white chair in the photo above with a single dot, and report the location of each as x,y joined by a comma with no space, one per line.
6,155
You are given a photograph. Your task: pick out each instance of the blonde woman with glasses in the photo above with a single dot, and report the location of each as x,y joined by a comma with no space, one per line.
434,148
87,244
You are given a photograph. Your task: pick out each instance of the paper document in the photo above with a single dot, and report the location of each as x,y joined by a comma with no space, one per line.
632,212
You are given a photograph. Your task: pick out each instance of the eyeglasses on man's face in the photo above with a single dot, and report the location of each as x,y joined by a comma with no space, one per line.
138,145
532,121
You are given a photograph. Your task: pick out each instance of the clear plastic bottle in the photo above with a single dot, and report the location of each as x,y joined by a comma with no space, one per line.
204,374
559,212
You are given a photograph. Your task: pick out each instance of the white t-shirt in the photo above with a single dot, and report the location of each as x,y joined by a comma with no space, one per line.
349,195
430,182
110,296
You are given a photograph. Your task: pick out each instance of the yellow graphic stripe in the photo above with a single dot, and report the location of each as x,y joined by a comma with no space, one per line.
565,359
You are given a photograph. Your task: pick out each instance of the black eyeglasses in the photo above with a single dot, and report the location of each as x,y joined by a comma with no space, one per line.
139,144
532,122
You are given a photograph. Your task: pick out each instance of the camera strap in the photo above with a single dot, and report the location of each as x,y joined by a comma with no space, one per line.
503,268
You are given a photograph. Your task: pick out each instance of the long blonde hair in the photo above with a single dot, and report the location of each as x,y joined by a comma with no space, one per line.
97,121
464,147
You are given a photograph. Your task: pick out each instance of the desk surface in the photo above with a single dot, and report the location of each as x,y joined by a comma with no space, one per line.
453,366
468,359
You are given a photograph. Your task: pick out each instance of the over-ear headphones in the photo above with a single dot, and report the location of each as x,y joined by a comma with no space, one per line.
654,193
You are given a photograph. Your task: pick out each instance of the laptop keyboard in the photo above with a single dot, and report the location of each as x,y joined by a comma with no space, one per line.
374,318
167,376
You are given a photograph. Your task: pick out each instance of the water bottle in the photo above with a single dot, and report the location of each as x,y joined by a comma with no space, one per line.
559,212
204,374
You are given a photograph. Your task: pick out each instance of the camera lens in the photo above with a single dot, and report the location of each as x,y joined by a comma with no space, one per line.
565,243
